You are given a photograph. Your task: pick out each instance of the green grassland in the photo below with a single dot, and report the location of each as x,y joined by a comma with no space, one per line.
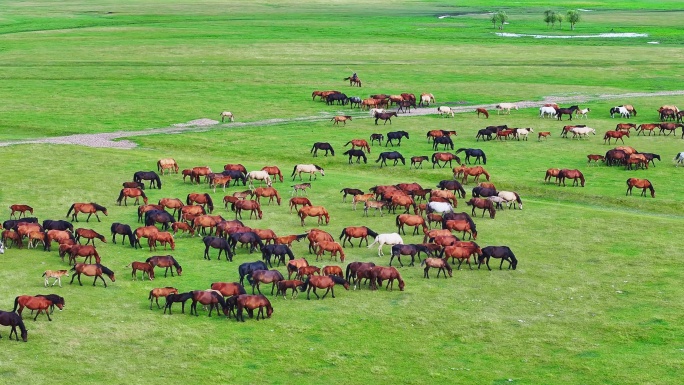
595,298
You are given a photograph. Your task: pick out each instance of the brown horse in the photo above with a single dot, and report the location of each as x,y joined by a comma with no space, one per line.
88,251
332,247
575,175
296,201
322,282
203,200
266,235
543,134
444,157
475,171
208,297
314,211
131,193
404,201
264,276
167,262
89,208
145,208
417,161
288,284
551,173
251,302
642,128
615,135
381,273
288,239
90,235
446,194
144,232
161,292
268,192
461,251
483,112
167,164
432,134
235,167
294,265
57,235
273,171
484,204
162,237
643,184
307,271
316,235
183,227
596,158
22,209
361,143
145,268
253,206
437,263
95,270
41,304
197,172
202,222
410,220
361,232
463,225
341,118
220,180
228,289
333,270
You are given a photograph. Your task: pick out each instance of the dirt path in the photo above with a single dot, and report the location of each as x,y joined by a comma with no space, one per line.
117,139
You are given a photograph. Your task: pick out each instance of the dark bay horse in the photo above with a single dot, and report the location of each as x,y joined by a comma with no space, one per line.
475,152
643,184
165,261
502,252
264,276
89,208
385,116
484,204
350,191
251,302
323,146
358,154
378,137
217,243
277,251
575,175
248,237
396,135
391,155
173,298
152,176
159,216
565,111
356,232
453,185
50,224
444,140
8,318
95,270
208,297
410,249
246,269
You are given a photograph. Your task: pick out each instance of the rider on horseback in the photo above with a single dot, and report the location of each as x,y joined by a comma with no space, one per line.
354,77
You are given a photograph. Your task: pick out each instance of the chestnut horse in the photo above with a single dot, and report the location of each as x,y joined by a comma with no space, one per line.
201,199
551,173
332,247
41,304
167,164
484,204
273,171
463,225
167,262
575,175
90,235
89,208
322,282
161,292
410,220
145,268
444,157
95,270
296,201
615,135
83,251
361,232
361,143
163,237
437,263
475,171
381,273
253,206
314,211
268,192
643,184
250,302
22,209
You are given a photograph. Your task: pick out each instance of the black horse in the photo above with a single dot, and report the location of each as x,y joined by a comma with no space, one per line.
217,243
649,156
248,237
476,152
391,155
159,216
503,252
10,318
484,192
355,100
350,191
50,224
378,137
489,131
148,175
125,231
566,111
358,154
247,268
12,224
322,146
278,251
452,185
384,116
236,175
411,249
396,135
339,98
445,140
406,104
173,298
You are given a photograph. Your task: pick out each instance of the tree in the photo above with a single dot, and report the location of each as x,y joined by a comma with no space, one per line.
494,19
573,18
554,19
548,17
559,18
501,17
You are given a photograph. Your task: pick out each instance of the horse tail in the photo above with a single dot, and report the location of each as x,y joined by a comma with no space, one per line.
187,200
342,234
210,203
305,285
294,170
348,272
150,296
396,221
484,158
16,304
159,165
380,157
314,146
346,144
70,208
371,232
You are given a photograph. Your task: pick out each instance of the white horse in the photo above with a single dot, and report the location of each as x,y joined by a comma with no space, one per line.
550,111
426,99
506,107
445,111
374,110
511,197
259,175
679,160
582,113
498,202
524,132
227,114
582,131
310,168
2,248
439,207
624,112
386,239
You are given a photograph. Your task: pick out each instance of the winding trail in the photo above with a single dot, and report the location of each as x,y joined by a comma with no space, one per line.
117,139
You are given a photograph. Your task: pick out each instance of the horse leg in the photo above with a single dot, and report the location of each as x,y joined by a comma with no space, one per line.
329,289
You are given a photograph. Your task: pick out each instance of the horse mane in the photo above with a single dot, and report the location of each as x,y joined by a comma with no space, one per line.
105,269
210,202
371,232
338,279
99,207
318,167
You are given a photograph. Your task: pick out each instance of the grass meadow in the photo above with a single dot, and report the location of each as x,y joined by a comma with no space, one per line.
595,298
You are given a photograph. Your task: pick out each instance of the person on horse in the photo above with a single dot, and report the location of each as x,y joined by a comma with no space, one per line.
354,77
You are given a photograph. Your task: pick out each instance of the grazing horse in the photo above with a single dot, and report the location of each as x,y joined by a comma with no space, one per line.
162,237
381,273
145,268
411,249
464,225
8,318
152,176
161,292
273,171
417,161
512,198
314,211
312,169
95,270
333,247
643,184
253,206
566,111
88,252
484,204
461,251
502,252
159,216
22,209
445,111
377,205
426,99
575,175
250,302
386,116
131,193
475,171
89,208
322,146
483,112
615,135
139,185
208,297
261,176
595,158
202,199
444,157
392,135
50,224
227,114
167,164
322,282
544,111
391,155
551,173
341,118
475,152
173,298
217,243
358,154
293,284
278,252
167,262
437,263
505,108
246,269
444,140
172,203
452,185
41,304
410,220
386,239
246,237
361,143
183,227
268,192
264,276
90,235
624,112
361,232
